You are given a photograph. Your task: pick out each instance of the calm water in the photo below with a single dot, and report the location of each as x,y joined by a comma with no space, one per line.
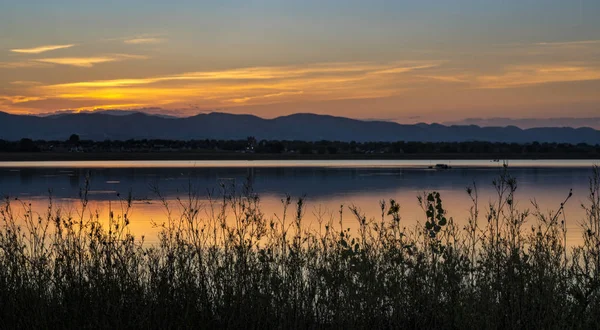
326,185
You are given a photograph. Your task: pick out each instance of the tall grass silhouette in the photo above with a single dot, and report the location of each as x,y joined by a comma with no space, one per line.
223,263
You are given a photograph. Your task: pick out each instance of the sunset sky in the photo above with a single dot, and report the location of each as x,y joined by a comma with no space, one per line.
406,61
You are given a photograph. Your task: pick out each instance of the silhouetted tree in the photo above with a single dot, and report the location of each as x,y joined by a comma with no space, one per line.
74,139
27,145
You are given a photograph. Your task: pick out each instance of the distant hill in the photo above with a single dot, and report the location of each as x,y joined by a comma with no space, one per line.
309,127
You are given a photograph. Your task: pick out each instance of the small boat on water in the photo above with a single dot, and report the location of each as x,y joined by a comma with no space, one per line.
440,166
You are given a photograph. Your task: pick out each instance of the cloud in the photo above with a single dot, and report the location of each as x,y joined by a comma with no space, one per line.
97,107
250,85
25,83
40,49
452,79
87,62
333,72
528,75
405,69
21,65
569,43
15,99
143,40
78,61
263,85
126,109
587,50
266,96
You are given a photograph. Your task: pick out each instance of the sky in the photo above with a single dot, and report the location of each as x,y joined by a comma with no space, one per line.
404,61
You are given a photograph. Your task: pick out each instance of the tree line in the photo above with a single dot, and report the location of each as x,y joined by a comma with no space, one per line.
251,145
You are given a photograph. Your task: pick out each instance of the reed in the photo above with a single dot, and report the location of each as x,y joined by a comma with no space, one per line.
223,263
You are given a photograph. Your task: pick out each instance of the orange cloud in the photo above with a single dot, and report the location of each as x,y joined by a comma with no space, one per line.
40,49
253,85
258,73
20,99
143,40
527,75
88,62
404,69
21,65
25,83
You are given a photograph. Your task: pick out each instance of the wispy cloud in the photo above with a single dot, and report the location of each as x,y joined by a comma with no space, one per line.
40,49
21,65
332,72
528,75
569,43
403,69
445,78
25,83
15,99
263,85
251,85
264,97
123,106
89,61
143,40
78,61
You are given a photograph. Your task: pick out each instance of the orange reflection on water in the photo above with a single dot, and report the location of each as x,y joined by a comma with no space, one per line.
326,185
147,216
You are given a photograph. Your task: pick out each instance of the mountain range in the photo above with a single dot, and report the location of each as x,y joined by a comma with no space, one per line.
302,126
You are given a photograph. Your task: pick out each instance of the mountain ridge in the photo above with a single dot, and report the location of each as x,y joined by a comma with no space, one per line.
299,126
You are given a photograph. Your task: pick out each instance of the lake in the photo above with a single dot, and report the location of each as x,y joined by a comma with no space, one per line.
326,186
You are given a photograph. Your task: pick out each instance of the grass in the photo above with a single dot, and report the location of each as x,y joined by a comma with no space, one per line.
223,263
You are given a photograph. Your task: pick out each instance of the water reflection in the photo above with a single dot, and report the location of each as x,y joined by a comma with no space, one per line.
325,188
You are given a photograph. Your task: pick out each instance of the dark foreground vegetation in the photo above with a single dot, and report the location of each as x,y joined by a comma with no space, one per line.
223,263
250,148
